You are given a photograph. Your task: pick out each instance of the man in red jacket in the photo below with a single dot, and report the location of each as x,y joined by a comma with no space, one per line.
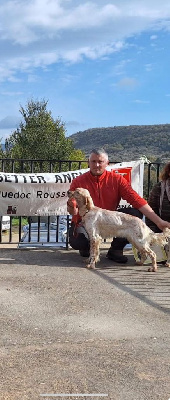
106,188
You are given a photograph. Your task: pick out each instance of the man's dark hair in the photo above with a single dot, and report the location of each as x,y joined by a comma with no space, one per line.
165,174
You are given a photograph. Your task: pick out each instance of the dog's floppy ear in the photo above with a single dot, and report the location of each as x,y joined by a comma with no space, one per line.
89,203
70,193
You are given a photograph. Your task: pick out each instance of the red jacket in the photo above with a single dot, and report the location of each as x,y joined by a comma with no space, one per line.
108,189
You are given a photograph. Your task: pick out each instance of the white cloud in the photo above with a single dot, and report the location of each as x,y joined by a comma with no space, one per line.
73,123
40,33
153,37
9,93
127,83
148,67
141,101
32,78
38,18
9,122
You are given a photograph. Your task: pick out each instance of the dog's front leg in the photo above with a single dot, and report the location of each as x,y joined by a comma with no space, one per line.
152,256
92,259
142,256
144,252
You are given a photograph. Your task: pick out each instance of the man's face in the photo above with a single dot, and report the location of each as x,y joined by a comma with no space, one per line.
97,163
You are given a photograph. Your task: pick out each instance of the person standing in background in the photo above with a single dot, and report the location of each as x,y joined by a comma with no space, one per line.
159,199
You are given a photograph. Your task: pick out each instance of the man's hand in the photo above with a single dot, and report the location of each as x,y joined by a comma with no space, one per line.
72,207
163,224
149,213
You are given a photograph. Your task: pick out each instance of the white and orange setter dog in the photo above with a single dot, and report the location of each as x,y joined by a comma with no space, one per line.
100,223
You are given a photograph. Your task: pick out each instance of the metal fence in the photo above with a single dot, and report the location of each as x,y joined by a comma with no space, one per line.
52,231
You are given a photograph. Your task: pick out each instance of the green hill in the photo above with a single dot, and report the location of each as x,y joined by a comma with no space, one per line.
125,143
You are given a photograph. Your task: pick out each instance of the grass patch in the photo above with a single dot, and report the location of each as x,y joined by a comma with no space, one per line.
15,221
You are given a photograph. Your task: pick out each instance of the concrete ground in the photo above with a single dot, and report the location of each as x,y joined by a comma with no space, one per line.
93,334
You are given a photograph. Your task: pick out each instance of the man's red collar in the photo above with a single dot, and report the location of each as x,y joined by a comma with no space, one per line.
97,178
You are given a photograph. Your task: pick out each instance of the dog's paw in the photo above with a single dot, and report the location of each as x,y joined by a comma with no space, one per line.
85,260
152,269
139,263
90,266
167,264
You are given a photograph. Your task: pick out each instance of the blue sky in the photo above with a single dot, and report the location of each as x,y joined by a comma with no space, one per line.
98,63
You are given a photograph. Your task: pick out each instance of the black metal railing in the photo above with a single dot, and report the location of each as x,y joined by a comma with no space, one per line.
36,166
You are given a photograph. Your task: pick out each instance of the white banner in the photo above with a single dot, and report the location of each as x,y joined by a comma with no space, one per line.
46,194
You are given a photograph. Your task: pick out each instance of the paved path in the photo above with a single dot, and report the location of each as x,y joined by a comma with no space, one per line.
65,329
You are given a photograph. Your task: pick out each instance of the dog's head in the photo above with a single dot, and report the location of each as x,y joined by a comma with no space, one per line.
83,199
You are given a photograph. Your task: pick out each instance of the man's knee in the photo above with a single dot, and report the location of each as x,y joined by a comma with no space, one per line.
78,238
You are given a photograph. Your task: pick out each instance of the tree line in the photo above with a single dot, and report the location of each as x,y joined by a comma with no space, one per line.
125,143
40,136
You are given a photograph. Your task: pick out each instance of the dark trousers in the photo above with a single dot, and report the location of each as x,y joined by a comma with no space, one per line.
78,237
